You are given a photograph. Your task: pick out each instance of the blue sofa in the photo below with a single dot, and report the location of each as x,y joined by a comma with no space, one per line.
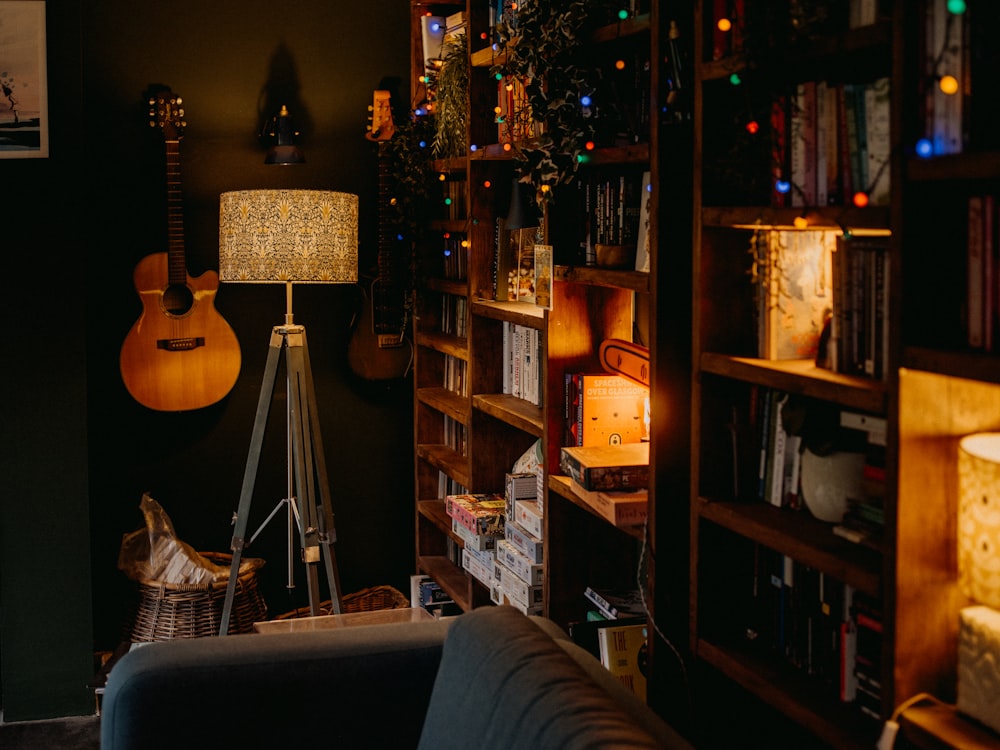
491,678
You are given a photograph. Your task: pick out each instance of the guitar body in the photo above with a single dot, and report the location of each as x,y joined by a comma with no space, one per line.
180,354
370,359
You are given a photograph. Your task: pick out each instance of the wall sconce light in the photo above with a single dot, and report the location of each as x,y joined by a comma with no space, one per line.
280,132
979,576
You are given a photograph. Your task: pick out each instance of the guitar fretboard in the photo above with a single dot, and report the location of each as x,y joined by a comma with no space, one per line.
177,267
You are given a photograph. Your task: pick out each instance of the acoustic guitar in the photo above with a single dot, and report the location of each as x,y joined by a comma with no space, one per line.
180,354
378,349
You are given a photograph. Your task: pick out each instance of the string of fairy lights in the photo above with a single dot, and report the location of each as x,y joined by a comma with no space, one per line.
940,77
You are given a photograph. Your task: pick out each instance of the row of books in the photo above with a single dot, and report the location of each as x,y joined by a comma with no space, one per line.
859,338
831,140
454,434
455,376
786,425
959,48
823,296
454,314
804,19
427,593
522,369
452,197
982,313
817,624
454,257
603,409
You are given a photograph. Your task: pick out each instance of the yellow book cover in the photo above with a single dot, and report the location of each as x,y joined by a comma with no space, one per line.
623,653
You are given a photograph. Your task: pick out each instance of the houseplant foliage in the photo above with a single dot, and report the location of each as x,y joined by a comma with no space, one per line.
543,49
452,106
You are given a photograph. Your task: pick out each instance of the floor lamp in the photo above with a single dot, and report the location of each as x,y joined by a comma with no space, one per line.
290,237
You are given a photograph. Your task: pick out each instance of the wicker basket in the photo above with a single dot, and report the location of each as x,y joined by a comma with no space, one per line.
366,600
166,611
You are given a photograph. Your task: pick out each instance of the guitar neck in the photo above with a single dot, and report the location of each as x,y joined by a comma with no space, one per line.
176,264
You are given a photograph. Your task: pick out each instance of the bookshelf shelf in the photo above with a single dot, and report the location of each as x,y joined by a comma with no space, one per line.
445,401
800,376
960,364
561,485
520,313
447,459
456,346
800,536
636,281
941,726
837,724
763,217
448,286
513,410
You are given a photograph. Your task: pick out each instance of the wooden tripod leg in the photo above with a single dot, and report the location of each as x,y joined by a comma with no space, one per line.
311,476
327,531
250,474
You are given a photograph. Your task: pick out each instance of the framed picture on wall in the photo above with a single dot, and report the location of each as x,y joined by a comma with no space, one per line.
24,119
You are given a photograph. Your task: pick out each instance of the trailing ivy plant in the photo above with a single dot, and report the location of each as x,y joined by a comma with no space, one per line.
452,106
543,47
409,180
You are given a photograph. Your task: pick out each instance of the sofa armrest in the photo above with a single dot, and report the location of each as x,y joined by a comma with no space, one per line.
346,687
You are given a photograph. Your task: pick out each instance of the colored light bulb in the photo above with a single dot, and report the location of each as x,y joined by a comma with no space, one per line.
861,199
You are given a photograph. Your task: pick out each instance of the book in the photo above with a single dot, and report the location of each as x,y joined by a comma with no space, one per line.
614,604
607,467
624,653
605,409
544,273
479,513
642,250
624,508
798,291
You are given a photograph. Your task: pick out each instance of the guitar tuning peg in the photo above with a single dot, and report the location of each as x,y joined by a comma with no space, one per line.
370,108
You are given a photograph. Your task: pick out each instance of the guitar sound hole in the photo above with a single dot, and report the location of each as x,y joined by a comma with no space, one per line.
177,299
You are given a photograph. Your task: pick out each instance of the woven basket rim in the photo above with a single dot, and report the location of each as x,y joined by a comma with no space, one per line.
248,566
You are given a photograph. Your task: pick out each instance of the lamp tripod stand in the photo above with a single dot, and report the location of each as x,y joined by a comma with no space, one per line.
307,471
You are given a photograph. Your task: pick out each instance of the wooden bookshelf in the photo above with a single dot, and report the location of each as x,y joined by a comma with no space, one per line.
936,388
590,304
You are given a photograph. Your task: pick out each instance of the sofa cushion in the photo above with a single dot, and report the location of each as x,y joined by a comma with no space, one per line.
301,689
504,683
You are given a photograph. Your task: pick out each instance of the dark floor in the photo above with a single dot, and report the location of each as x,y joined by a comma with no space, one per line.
71,733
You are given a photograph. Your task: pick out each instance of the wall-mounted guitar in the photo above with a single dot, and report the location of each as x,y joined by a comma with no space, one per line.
180,354
378,349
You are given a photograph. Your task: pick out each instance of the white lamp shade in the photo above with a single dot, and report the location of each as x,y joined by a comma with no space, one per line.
979,518
278,236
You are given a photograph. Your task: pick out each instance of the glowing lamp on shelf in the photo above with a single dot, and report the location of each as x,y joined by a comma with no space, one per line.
979,518
979,576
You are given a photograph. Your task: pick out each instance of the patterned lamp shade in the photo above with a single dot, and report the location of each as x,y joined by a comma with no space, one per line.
280,236
979,518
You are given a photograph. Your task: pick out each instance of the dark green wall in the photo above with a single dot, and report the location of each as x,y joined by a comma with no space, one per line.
78,452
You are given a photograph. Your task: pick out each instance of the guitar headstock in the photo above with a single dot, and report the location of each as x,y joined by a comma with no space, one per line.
382,127
167,114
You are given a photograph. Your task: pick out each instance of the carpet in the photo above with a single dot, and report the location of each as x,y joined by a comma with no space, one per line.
70,733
